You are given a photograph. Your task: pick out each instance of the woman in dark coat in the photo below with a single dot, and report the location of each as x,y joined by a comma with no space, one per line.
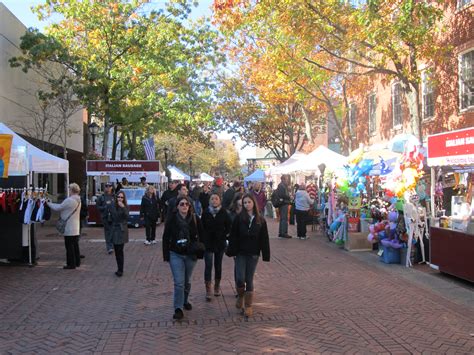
216,223
120,229
248,239
181,228
149,213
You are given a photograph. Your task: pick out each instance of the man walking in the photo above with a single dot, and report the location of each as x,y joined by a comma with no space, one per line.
168,195
285,200
105,205
229,194
182,191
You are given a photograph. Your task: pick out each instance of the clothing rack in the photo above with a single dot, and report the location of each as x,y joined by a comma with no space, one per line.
30,192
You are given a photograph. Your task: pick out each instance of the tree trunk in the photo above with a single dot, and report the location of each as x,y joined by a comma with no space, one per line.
133,145
114,143
122,149
307,125
412,97
105,143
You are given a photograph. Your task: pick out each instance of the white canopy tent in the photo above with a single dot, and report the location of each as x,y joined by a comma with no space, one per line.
177,174
286,166
203,177
27,158
321,155
256,176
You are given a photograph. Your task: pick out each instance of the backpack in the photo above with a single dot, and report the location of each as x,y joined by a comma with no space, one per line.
275,199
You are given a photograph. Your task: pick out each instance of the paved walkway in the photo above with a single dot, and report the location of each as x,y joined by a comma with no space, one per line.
311,298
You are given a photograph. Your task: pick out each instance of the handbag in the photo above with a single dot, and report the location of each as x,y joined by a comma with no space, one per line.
61,223
197,247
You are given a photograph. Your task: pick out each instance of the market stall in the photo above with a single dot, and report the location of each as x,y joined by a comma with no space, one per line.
17,237
256,176
451,158
100,172
177,174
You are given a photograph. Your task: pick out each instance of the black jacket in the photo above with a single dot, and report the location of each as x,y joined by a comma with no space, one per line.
171,234
167,195
216,230
249,241
150,208
105,205
283,194
204,199
228,197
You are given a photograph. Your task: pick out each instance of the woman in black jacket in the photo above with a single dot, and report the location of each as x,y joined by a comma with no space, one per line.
149,213
216,223
119,229
248,238
182,227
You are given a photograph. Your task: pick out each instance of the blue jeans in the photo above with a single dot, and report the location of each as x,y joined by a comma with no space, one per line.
182,267
208,256
283,227
245,266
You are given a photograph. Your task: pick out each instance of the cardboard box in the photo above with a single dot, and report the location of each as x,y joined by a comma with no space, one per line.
357,242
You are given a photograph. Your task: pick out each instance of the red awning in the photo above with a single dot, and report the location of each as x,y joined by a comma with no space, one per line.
451,148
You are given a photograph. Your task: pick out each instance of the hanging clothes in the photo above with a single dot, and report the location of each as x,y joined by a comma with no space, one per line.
30,205
12,203
3,202
40,213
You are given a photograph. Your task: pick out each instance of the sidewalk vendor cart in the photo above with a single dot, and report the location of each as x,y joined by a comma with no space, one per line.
451,158
100,172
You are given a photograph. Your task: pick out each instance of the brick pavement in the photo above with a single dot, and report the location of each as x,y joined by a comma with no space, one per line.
311,298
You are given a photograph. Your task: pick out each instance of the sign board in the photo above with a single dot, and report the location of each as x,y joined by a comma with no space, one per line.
5,151
451,148
95,167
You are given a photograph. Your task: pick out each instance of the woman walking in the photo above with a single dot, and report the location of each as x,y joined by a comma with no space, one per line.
303,203
216,223
248,239
182,228
120,229
70,211
149,213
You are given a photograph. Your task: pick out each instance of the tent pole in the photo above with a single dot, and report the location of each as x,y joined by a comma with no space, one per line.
67,184
432,188
29,180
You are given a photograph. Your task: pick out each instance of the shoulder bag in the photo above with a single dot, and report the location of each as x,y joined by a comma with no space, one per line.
197,247
61,223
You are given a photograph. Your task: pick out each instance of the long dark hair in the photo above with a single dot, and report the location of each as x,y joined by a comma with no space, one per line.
191,207
124,198
244,215
233,205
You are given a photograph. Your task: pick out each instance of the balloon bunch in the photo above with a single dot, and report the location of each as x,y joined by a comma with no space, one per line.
392,239
407,173
352,182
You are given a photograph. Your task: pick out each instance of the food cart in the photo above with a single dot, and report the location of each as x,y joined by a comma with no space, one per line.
451,158
100,172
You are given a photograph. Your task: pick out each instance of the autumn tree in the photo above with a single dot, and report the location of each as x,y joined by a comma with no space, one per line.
134,69
385,38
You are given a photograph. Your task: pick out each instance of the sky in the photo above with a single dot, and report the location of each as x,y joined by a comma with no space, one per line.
22,10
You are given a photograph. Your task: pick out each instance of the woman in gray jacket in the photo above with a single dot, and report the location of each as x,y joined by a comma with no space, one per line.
70,210
120,229
303,203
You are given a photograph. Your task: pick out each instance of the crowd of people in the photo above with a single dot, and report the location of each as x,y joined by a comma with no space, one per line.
203,222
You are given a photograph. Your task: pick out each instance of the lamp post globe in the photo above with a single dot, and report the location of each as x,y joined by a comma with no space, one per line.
93,130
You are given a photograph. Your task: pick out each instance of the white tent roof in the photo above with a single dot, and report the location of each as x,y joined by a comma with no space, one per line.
321,155
26,157
285,167
206,177
177,174
257,175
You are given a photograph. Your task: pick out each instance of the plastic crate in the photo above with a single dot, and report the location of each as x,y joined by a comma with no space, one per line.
390,255
353,224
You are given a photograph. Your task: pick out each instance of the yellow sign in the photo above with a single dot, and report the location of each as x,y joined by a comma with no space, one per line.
5,149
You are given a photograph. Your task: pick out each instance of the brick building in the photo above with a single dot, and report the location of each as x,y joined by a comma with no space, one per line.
446,89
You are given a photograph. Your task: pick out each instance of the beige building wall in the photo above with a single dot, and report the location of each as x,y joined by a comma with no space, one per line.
16,102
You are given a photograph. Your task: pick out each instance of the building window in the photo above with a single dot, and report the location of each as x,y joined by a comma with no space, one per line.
352,118
463,3
466,80
372,113
397,104
427,92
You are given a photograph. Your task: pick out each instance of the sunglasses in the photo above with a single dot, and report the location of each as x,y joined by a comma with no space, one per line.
120,197
181,204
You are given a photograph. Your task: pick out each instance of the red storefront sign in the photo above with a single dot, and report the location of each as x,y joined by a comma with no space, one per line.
112,166
451,148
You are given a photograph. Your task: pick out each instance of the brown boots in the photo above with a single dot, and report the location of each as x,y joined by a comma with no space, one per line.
248,311
217,287
208,291
240,297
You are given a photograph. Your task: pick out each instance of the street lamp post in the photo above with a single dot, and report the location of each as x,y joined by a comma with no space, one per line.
166,150
93,130
190,168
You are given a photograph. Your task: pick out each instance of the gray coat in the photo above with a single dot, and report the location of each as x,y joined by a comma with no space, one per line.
120,225
66,209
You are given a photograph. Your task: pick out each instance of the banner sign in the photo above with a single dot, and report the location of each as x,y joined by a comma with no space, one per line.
111,166
5,151
451,148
